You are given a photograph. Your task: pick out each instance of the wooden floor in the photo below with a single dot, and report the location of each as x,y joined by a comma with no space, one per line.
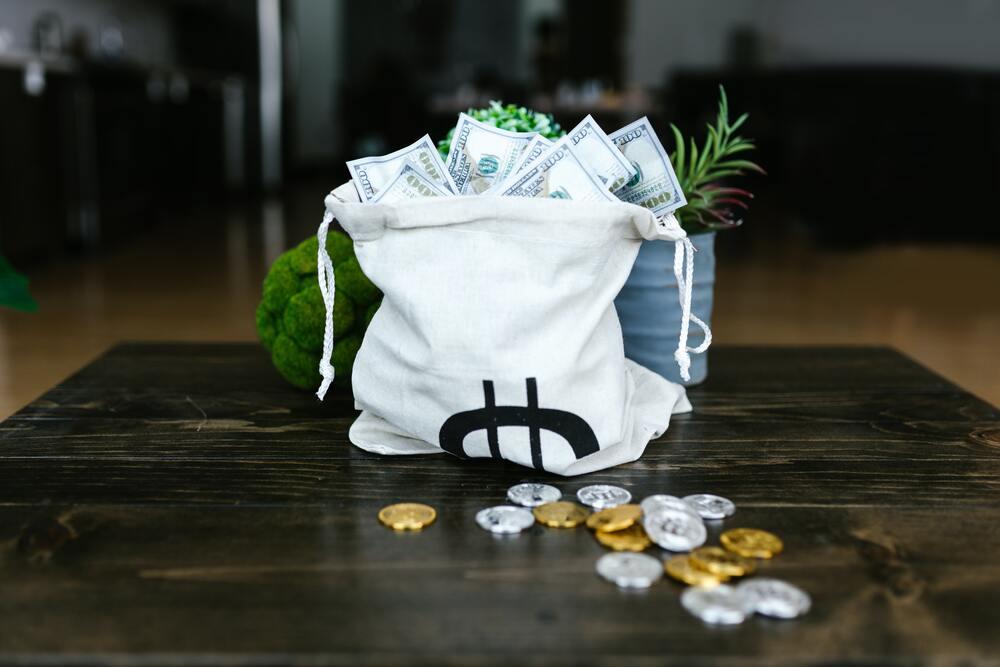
198,278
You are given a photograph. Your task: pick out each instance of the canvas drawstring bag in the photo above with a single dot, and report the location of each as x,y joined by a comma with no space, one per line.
497,335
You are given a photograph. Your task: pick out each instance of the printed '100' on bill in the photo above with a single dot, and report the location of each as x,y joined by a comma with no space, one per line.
534,150
654,185
410,182
595,148
482,155
371,174
558,173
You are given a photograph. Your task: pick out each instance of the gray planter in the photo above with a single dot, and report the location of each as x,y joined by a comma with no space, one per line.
650,311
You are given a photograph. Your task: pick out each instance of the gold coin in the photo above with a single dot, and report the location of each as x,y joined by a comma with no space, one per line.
633,538
407,516
719,561
681,569
560,514
752,543
614,518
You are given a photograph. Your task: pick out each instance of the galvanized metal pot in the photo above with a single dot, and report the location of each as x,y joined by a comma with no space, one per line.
650,311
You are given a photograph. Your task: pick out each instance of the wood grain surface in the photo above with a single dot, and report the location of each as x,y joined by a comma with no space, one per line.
179,504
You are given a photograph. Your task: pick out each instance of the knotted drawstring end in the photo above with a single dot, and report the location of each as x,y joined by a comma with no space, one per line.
324,386
683,359
684,273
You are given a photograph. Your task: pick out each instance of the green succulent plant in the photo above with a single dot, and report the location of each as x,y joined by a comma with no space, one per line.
509,117
701,172
291,315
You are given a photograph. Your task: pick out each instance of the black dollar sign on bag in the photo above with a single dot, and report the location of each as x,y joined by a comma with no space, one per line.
573,428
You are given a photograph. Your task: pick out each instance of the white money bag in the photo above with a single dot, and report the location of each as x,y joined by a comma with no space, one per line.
497,336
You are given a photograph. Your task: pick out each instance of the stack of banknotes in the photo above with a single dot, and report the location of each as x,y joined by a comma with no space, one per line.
586,164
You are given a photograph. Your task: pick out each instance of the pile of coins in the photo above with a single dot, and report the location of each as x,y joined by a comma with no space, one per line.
672,523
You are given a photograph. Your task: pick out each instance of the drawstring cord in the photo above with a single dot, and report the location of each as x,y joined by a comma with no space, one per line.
328,288
684,255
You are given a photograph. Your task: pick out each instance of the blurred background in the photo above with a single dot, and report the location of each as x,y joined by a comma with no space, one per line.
157,155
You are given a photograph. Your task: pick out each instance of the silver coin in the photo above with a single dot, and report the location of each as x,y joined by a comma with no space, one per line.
775,598
603,496
630,570
720,605
505,519
650,504
710,506
533,495
675,530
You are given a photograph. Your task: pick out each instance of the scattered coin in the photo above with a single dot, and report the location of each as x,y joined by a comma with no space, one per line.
662,501
675,530
560,514
505,519
533,495
629,570
603,496
719,561
710,506
776,598
681,569
633,538
751,543
614,518
407,516
720,605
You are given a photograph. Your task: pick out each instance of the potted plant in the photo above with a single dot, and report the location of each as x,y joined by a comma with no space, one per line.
647,306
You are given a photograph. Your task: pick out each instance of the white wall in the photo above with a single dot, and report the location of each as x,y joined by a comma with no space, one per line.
667,34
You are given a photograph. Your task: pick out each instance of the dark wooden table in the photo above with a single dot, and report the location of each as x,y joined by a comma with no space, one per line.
180,504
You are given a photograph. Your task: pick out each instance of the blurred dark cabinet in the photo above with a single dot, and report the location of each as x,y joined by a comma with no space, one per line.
101,153
867,154
33,159
158,145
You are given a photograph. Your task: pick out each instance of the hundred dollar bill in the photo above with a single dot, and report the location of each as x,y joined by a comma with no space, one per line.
558,173
482,155
410,182
537,146
596,149
371,174
654,185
